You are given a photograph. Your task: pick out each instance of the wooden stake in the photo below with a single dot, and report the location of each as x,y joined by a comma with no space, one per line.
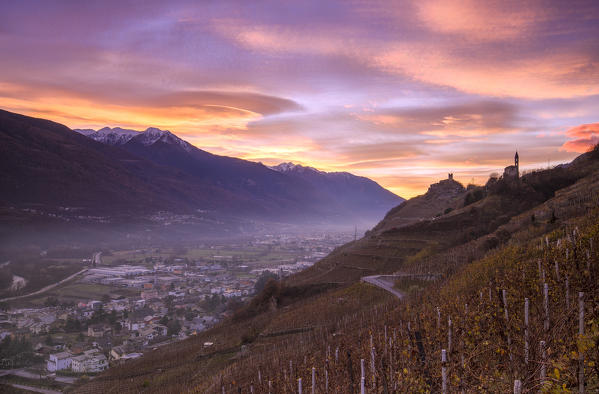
362,370
505,314
526,345
546,305
543,362
443,371
372,367
580,333
449,334
313,380
517,387
567,294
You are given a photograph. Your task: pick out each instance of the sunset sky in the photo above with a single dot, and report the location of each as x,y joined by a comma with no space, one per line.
399,91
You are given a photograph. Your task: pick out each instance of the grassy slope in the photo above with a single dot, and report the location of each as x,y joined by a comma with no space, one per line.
345,317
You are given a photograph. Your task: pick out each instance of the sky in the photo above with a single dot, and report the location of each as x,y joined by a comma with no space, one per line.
402,92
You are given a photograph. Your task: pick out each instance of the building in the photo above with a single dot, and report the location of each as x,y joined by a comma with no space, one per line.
98,330
78,364
59,361
512,172
90,361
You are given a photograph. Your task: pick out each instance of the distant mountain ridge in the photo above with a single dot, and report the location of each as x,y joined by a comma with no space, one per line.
117,171
365,191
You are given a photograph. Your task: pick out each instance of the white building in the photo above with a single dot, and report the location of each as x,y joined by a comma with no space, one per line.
90,361
59,361
78,364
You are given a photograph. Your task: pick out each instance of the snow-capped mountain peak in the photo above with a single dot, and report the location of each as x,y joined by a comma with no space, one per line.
291,167
109,136
120,136
152,135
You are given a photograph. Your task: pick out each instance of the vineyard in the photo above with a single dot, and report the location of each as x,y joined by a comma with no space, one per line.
524,318
512,310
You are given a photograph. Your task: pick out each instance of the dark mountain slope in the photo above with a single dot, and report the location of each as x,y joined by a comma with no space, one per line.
279,192
275,192
45,165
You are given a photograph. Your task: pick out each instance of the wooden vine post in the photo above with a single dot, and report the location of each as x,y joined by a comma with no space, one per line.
506,316
546,306
443,371
526,319
543,352
581,334
449,334
517,387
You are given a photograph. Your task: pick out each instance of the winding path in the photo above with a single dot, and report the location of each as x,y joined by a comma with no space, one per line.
385,282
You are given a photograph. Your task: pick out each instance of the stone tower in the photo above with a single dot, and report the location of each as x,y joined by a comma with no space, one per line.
517,164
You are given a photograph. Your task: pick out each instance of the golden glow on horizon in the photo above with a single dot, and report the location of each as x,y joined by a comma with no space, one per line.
402,94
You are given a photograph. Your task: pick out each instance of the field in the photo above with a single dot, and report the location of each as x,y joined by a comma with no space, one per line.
75,292
249,255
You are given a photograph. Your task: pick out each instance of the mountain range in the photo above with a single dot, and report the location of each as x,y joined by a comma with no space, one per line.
116,172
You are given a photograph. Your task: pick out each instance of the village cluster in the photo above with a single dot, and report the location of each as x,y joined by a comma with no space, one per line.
153,302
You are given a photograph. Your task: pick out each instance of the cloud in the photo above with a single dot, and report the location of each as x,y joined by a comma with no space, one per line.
244,101
569,73
477,20
584,138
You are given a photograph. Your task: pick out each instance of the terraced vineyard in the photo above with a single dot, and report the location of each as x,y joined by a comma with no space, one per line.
513,309
478,318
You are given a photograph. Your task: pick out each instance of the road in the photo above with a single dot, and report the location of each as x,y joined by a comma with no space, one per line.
34,389
43,290
385,282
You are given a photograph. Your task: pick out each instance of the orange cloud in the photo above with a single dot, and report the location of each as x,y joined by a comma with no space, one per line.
585,137
477,20
550,76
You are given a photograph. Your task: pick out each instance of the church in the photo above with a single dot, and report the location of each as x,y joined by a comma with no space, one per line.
512,172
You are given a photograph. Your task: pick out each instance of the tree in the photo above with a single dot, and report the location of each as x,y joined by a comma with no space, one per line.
263,279
72,325
163,320
5,277
173,327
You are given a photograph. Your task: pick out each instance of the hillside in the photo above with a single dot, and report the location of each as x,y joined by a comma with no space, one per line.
294,326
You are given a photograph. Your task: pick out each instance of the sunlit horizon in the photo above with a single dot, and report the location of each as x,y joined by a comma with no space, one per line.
402,92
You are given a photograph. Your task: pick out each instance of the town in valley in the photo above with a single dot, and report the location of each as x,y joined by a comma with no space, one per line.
119,304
